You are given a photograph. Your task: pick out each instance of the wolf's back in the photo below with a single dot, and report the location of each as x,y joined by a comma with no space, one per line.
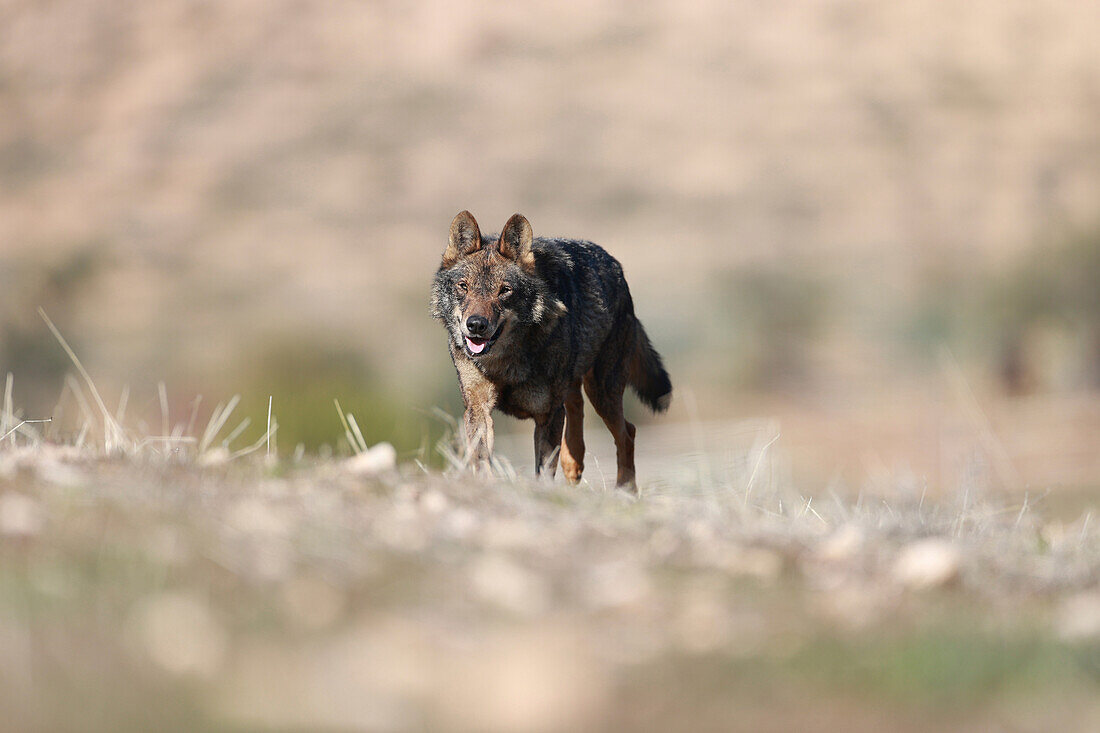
591,282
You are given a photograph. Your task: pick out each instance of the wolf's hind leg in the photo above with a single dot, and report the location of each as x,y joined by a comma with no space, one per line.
572,443
609,406
547,439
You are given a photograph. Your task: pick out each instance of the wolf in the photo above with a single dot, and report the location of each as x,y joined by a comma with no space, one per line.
531,322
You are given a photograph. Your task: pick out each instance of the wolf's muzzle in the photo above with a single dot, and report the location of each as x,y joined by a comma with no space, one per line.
477,326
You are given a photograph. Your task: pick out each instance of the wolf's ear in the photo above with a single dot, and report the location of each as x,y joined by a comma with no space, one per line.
515,241
465,238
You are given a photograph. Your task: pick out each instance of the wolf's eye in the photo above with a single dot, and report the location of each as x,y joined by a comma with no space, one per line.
463,287
505,290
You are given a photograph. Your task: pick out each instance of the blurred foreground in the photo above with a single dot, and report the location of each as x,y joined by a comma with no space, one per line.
173,590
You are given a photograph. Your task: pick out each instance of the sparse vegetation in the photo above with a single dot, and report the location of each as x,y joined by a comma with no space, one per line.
873,505
241,590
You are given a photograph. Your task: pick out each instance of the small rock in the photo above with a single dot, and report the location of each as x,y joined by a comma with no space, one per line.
405,495
1078,617
700,531
930,563
739,561
20,516
433,501
842,545
755,562
373,461
1055,534
215,457
460,523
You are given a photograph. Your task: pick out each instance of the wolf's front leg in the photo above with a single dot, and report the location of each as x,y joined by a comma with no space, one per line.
548,441
478,425
480,396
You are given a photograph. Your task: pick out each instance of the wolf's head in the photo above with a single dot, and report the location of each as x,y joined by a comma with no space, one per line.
487,291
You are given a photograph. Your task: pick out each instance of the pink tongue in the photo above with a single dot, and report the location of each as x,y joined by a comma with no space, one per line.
475,347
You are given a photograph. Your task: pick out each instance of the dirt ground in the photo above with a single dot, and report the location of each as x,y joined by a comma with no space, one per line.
173,591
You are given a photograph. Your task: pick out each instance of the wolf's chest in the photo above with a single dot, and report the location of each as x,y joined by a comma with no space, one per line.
525,400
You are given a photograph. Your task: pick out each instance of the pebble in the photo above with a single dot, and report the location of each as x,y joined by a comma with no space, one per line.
20,516
929,563
377,459
1078,617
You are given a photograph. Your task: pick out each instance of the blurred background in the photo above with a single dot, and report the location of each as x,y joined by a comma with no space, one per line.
865,236
876,223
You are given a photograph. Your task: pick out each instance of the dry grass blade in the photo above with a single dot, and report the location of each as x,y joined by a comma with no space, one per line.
167,440
81,401
358,433
112,432
162,392
123,402
347,429
217,421
215,416
7,417
446,417
756,467
190,429
265,438
237,432
82,436
270,399
25,422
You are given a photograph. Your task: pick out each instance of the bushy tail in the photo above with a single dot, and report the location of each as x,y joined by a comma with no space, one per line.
647,374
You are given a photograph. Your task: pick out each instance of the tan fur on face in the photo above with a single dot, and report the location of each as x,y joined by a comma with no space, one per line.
458,318
542,315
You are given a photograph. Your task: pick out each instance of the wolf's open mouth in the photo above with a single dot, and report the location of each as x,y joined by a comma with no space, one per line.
478,346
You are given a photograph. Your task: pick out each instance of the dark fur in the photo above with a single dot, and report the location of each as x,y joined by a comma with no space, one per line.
568,321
